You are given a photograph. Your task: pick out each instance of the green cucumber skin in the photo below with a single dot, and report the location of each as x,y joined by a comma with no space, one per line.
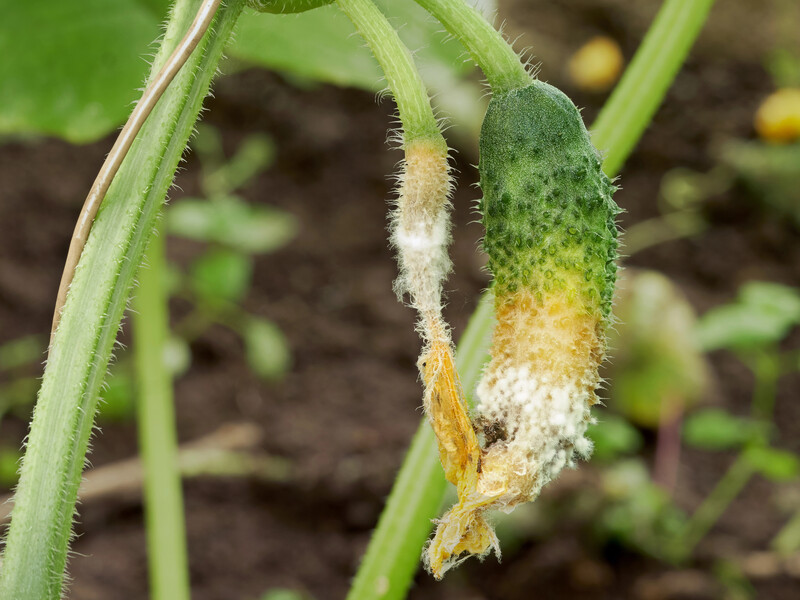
547,205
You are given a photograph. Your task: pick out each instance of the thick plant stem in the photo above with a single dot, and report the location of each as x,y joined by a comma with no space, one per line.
41,524
122,145
163,497
282,7
638,95
383,574
494,55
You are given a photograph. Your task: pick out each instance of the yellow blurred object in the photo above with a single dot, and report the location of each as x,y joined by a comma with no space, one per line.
596,66
778,117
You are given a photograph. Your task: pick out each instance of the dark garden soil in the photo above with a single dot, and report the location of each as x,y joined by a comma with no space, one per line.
344,414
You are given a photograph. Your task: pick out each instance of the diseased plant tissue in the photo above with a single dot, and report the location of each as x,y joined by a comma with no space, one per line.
551,238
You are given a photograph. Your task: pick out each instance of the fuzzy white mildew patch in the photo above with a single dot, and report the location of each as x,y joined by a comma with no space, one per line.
543,420
420,228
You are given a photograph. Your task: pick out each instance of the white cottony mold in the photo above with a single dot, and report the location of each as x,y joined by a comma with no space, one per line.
540,425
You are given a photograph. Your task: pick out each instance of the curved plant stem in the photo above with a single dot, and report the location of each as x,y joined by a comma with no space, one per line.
402,77
493,54
119,150
163,498
638,95
41,523
384,574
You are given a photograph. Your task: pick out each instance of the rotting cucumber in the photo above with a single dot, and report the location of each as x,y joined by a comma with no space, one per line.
551,239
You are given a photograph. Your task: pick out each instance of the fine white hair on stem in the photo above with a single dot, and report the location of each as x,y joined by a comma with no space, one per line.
420,232
150,97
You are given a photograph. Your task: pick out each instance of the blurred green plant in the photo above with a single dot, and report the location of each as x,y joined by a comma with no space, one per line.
285,594
218,280
752,327
657,369
96,65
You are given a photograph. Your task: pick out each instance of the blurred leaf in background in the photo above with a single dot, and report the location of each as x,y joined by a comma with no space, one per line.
637,513
230,222
770,173
716,429
9,464
613,437
266,348
221,276
762,315
72,69
656,367
83,62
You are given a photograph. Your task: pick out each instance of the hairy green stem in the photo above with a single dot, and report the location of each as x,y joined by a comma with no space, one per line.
496,58
41,525
402,77
158,447
383,574
638,95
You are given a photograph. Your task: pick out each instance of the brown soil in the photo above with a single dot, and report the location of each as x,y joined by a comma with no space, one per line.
344,414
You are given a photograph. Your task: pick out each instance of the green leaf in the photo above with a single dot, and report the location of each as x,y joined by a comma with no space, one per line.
231,222
266,348
177,356
72,69
21,351
613,437
715,429
221,276
771,296
762,314
283,594
657,369
321,44
774,464
118,400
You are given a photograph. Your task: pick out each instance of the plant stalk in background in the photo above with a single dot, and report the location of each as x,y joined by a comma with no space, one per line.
158,447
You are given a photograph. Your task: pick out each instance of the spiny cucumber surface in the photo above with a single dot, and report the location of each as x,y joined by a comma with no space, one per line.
547,205
551,239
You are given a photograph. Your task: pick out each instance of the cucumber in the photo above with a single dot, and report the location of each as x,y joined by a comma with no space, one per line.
551,238
547,205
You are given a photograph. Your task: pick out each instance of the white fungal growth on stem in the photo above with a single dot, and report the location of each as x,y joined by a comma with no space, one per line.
420,232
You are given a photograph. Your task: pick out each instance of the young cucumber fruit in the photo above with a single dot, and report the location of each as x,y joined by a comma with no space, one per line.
551,239
547,205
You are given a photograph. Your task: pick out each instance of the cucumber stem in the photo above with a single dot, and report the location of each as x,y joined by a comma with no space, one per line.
402,77
644,84
41,523
487,46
